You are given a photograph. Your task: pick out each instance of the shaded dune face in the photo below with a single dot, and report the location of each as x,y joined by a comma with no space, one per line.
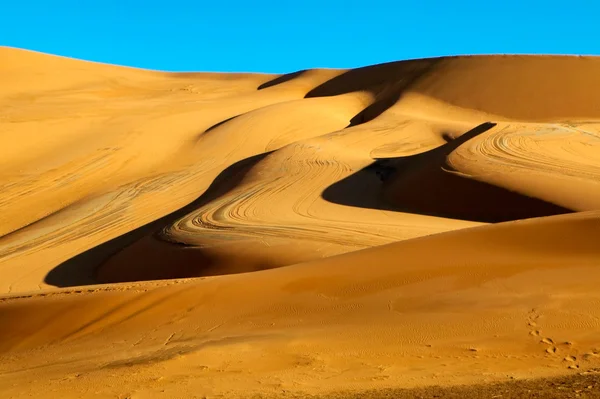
428,184
403,224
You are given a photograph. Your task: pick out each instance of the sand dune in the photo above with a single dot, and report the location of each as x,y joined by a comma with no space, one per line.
223,235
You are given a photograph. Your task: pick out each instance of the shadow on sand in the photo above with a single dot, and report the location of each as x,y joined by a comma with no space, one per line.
424,184
81,269
281,79
386,82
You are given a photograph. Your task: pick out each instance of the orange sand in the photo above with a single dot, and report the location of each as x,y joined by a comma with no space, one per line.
224,235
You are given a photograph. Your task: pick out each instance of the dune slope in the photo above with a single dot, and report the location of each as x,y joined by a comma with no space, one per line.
400,225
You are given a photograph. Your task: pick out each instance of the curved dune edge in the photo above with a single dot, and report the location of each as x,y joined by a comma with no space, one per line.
344,225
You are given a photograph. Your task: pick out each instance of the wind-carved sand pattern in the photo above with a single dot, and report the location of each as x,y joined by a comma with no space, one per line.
404,225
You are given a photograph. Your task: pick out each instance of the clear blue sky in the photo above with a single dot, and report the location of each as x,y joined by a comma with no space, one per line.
284,36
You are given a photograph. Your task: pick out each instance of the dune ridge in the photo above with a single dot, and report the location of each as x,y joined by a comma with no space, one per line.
406,224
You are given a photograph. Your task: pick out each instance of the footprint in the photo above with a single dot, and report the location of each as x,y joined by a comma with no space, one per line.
551,350
535,333
547,341
570,359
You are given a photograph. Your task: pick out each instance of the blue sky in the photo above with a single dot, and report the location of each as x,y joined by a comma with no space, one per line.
284,36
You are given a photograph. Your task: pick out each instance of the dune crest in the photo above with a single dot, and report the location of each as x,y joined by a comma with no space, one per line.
400,225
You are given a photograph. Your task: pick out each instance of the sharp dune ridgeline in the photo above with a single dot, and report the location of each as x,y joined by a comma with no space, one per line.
419,223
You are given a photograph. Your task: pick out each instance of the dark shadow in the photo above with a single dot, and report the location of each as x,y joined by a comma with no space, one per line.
281,79
424,184
375,109
154,258
375,78
81,269
216,125
387,82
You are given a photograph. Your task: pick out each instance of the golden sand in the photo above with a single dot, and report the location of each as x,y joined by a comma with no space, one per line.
418,223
